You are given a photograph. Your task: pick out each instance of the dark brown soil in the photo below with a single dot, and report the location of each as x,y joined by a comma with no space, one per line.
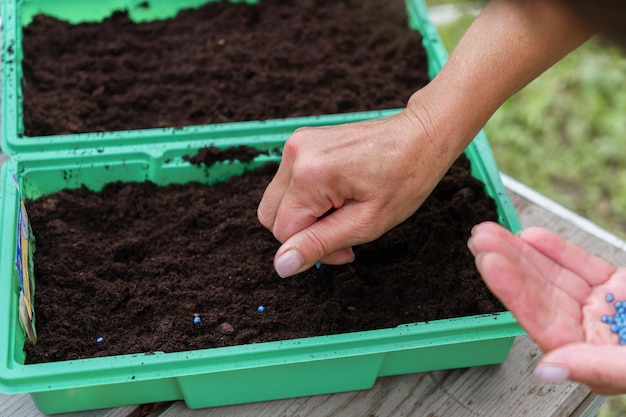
134,263
221,63
212,154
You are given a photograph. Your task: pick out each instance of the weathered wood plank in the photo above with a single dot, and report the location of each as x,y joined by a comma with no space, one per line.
22,406
534,209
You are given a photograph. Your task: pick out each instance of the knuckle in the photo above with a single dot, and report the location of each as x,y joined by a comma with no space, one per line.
368,226
317,248
294,143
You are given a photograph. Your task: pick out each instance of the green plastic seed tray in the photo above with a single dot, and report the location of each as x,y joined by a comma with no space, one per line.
18,13
210,377
228,375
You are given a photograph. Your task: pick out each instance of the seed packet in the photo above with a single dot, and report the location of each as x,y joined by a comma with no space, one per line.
24,265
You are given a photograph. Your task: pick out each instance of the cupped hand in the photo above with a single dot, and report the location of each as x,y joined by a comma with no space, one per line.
340,186
557,292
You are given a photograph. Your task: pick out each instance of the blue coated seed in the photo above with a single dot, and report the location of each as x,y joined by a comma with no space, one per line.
318,264
197,319
260,309
100,339
617,321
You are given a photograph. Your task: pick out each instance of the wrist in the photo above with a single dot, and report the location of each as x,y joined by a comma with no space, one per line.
444,125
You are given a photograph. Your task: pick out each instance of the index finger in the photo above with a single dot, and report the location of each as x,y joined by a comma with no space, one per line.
569,255
273,196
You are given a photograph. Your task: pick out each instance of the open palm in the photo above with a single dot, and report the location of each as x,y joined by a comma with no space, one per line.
557,291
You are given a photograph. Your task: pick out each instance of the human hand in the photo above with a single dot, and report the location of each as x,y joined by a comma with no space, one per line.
557,291
340,186
375,174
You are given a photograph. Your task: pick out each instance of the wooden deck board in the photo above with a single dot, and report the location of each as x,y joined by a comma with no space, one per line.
503,390
22,406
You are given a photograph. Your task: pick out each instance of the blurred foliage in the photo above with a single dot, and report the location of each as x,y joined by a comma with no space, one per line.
563,134
614,407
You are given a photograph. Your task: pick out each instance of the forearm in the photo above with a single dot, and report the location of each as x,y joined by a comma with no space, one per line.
509,44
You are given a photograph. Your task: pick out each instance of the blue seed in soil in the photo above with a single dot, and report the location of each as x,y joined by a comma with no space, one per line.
197,319
260,309
100,339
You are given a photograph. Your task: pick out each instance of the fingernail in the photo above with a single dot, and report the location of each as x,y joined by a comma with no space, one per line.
552,374
288,264
470,246
476,228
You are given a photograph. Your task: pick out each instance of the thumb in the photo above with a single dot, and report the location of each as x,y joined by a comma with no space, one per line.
329,239
602,368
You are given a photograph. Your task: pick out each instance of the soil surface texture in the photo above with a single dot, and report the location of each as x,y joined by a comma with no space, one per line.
220,63
135,264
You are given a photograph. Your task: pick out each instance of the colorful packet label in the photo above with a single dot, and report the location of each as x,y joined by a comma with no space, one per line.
24,269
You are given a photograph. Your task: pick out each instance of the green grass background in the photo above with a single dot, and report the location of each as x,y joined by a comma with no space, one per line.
564,135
